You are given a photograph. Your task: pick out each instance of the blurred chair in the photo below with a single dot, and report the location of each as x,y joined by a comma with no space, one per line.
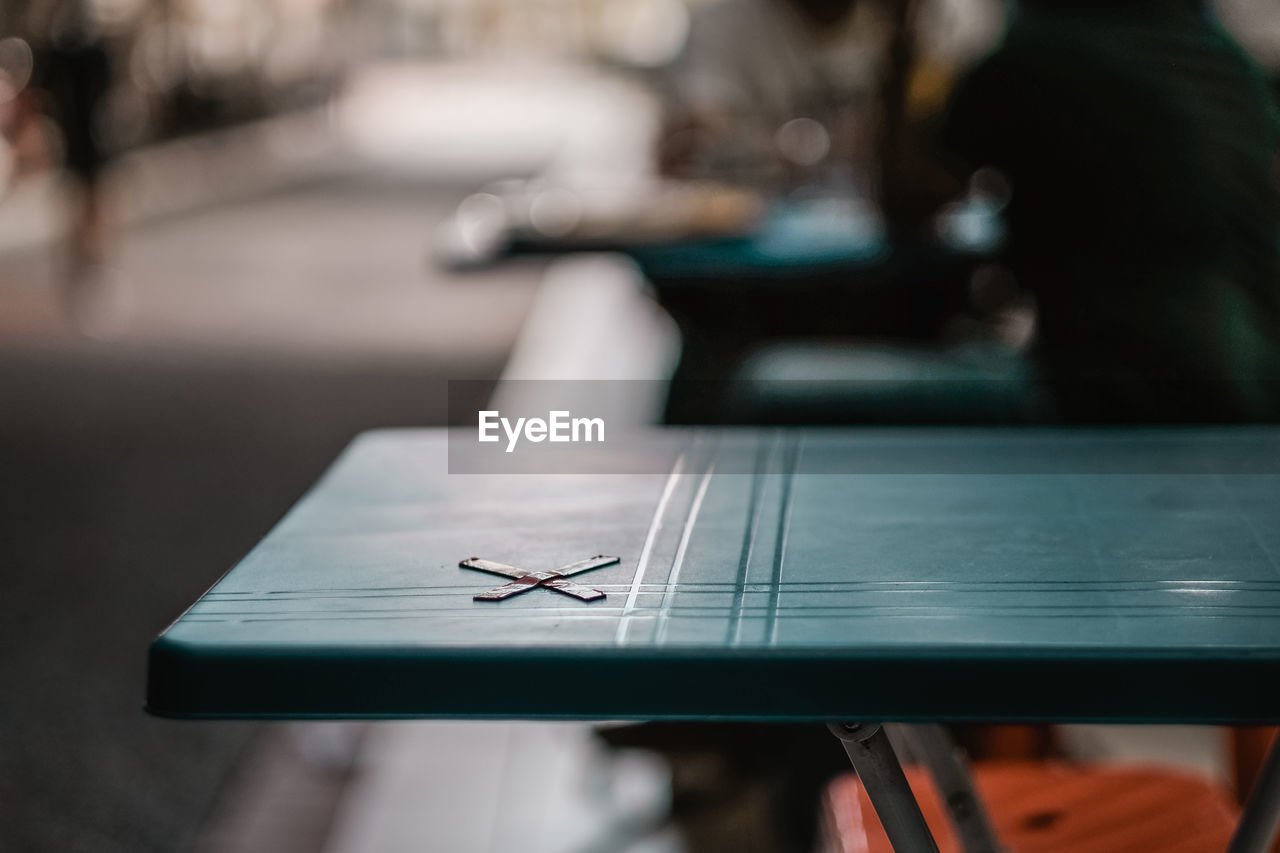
1249,747
1059,808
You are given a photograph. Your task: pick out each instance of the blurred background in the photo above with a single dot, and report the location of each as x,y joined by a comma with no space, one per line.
233,234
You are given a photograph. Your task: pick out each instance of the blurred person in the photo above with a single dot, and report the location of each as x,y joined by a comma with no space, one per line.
15,72
73,70
1141,145
21,123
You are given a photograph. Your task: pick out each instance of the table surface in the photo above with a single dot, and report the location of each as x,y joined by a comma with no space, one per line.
972,575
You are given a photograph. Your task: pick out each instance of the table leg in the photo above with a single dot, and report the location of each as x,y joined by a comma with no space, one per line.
933,746
873,758
1261,818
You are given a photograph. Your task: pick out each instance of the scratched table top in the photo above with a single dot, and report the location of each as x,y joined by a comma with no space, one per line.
973,575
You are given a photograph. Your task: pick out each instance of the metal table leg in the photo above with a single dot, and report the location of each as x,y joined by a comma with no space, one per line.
874,760
1261,818
949,767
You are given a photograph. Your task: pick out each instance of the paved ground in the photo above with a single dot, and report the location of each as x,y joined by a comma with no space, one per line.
263,334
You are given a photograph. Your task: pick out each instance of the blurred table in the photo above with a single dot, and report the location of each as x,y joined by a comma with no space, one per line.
790,280
738,273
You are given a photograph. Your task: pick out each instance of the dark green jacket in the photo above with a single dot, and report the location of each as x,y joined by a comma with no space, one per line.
1141,144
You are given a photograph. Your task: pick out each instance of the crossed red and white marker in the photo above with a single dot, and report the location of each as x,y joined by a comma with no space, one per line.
526,580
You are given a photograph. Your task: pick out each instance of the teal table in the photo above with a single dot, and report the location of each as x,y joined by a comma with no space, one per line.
1126,588
849,575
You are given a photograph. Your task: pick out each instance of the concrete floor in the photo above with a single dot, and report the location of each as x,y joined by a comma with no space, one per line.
260,336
